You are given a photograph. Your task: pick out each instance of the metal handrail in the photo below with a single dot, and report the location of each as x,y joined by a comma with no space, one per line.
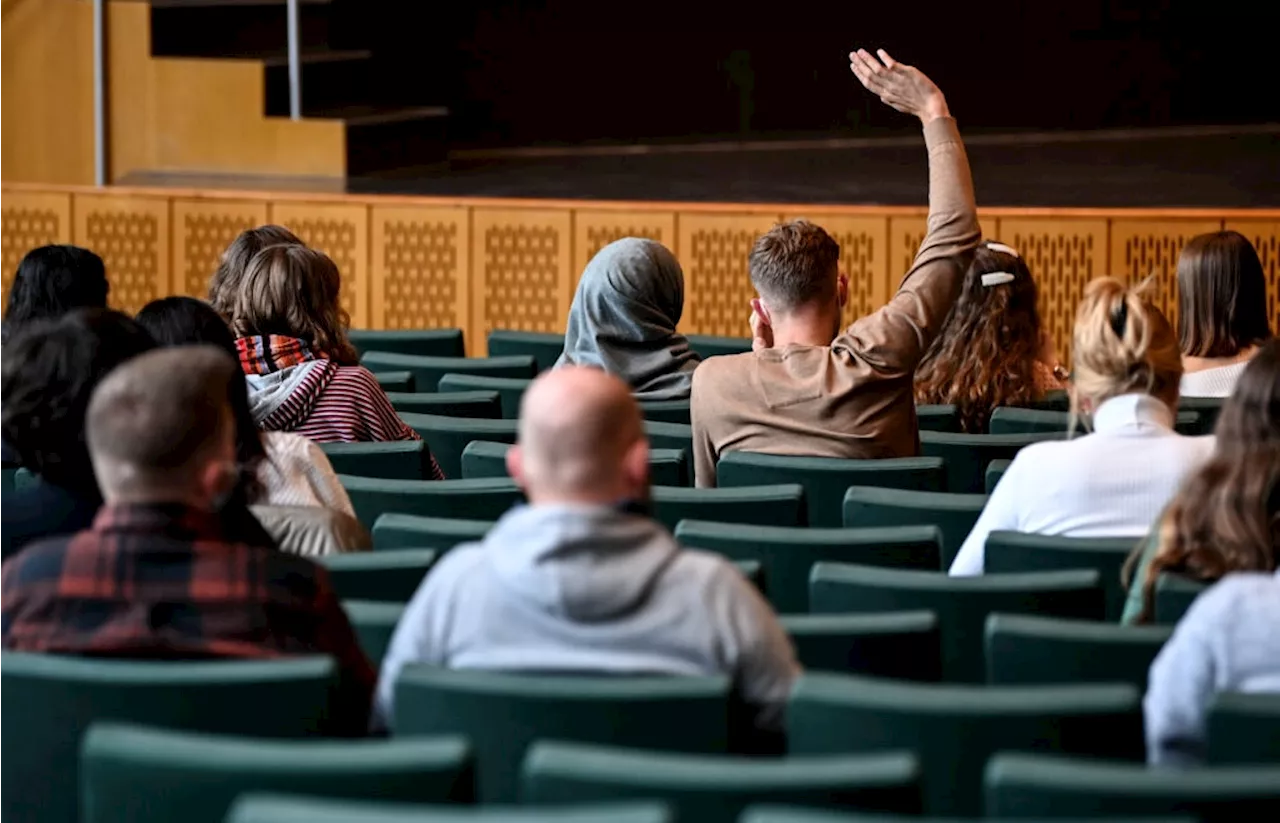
295,65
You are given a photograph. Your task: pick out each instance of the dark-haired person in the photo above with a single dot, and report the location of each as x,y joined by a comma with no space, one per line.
809,388
1222,311
225,283
993,350
157,575
50,369
51,281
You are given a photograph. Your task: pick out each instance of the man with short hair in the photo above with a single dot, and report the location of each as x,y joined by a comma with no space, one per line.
581,579
155,577
803,390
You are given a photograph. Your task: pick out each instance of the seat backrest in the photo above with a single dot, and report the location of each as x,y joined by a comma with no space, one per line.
666,411
387,576
510,389
392,460
952,514
716,789
395,381
447,437
778,505
485,404
1041,785
795,814
1244,728
52,700
667,467
954,729
967,455
133,774
1017,420
995,471
503,713
544,348
374,622
707,345
788,553
427,371
484,499
825,479
1174,595
669,436
1207,407
1007,551
276,808
938,417
1021,649
961,603
903,645
407,531
418,342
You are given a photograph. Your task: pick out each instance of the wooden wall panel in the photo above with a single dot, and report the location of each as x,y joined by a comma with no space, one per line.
1140,248
421,275
595,229
713,250
29,220
342,232
1265,237
522,269
905,236
202,230
131,233
864,257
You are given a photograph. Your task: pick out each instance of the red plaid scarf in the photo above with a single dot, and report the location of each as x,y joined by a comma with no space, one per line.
264,354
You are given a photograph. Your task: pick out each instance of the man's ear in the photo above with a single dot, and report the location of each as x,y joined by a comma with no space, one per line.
636,464
842,289
515,465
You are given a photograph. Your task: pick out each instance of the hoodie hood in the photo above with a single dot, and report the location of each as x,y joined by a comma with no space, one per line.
585,563
283,400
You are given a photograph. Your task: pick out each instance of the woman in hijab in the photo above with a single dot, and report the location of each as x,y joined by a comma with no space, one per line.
623,320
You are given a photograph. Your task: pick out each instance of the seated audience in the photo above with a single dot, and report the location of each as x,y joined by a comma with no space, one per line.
1226,517
582,579
49,372
804,390
992,350
1115,480
304,375
1226,642
155,575
624,317
1222,311
225,284
51,281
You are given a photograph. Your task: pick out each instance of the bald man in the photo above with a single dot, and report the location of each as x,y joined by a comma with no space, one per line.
580,579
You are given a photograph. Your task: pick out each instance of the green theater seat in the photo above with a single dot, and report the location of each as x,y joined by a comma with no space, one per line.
1244,728
1174,595
407,531
707,345
902,645
449,436
938,418
374,622
545,349
485,404
795,814
666,411
486,499
669,436
391,460
1011,420
427,371
1007,551
1207,407
952,514
395,381
780,505
270,808
1024,650
386,576
419,342
968,455
995,471
667,467
510,389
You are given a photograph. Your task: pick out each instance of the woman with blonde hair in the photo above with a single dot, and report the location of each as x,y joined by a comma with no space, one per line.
993,350
1113,481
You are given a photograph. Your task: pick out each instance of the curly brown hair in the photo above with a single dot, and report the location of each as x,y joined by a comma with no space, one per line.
1226,518
226,280
987,353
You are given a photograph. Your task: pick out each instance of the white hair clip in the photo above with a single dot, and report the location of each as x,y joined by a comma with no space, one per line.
996,278
1002,248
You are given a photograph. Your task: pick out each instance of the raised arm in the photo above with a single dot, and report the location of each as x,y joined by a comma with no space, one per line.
895,338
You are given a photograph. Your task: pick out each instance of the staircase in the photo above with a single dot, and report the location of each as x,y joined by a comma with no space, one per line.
340,80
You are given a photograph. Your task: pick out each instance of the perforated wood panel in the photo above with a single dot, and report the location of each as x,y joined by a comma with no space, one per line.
595,229
521,266
1150,247
864,257
202,231
28,221
342,232
905,236
1265,237
421,268
131,234
713,249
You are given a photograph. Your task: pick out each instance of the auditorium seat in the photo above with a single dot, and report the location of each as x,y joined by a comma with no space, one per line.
952,514
448,403
545,349
795,814
1007,551
707,345
902,645
1011,420
669,436
272,808
392,532
60,696
995,471
448,436
777,505
486,499
510,389
503,713
788,553
395,381
955,729
387,576
418,342
1022,649
710,788
666,411
938,418
132,774
1047,786
1244,728
961,603
427,371
968,455
825,479
393,460
667,467
1174,595
1207,407
1056,400
374,621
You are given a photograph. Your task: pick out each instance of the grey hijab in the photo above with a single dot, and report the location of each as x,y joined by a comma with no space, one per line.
623,320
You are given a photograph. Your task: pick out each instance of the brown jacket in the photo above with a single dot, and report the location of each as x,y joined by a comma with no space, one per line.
854,397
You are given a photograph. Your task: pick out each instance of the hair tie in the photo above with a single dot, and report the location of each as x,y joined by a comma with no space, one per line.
1119,317
1002,248
996,278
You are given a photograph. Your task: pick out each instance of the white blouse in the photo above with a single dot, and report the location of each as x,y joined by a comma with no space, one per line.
297,472
1111,483
1219,381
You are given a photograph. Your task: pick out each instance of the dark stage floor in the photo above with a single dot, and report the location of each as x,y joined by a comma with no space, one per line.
1212,167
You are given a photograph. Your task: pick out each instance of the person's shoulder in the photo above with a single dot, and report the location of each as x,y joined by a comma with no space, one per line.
357,375
723,369
709,572
1240,590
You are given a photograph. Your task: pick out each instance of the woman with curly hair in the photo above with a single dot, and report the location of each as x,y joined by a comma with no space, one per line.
992,350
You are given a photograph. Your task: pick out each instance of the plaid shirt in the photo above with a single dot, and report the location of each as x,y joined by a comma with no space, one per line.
154,581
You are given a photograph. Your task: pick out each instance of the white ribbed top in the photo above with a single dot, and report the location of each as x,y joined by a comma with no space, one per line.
297,472
1216,382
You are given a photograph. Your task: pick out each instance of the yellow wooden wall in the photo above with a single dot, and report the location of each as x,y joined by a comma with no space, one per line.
483,264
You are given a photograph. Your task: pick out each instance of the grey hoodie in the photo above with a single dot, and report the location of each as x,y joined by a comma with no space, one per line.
592,589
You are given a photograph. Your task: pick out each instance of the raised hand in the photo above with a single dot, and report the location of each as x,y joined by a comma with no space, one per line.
903,87
761,326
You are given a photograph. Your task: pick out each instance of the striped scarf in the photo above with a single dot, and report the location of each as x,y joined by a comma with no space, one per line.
264,354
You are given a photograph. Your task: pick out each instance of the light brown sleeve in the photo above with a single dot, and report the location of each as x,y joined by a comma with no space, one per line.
704,450
895,338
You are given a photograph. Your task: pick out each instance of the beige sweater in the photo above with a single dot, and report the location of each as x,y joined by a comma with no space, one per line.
854,397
